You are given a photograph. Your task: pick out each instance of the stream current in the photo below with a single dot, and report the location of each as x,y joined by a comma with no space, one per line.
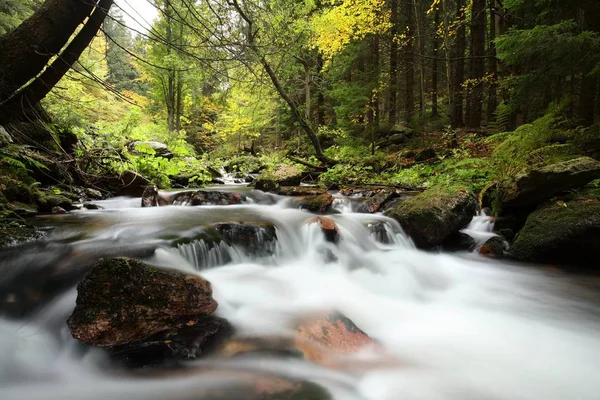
448,326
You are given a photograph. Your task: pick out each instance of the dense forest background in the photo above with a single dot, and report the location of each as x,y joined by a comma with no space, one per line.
357,90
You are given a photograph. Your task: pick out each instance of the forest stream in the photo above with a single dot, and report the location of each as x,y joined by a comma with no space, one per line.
444,326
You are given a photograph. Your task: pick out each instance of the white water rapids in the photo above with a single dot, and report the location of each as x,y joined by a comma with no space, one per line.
450,326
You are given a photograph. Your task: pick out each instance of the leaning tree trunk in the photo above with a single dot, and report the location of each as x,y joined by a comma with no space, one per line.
304,124
33,93
458,71
25,51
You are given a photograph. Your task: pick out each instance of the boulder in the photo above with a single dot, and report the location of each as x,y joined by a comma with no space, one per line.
129,183
537,185
564,231
215,198
122,301
430,217
317,204
160,149
282,175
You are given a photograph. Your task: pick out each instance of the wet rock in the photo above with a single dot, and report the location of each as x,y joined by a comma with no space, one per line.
129,183
142,146
282,175
535,186
121,301
249,236
379,232
317,204
334,332
564,231
458,241
22,209
91,206
373,204
93,193
432,216
425,154
52,198
211,197
493,247
58,210
328,227
153,198
300,191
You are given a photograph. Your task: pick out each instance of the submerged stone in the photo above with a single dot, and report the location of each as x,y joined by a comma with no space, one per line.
328,227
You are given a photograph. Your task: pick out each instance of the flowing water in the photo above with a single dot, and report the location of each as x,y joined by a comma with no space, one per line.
448,326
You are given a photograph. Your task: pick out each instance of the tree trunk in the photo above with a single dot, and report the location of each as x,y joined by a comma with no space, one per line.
458,72
493,63
304,124
320,94
477,68
33,93
25,51
409,96
393,79
420,21
434,66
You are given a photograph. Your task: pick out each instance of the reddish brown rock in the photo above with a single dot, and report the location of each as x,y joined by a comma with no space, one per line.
328,226
374,203
121,301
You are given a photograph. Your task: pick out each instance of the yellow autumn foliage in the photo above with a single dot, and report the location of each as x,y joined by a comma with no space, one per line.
345,21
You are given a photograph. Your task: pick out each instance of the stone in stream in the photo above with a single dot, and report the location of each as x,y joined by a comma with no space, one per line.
374,203
282,175
300,191
328,227
538,185
128,306
316,204
564,231
153,198
430,217
493,247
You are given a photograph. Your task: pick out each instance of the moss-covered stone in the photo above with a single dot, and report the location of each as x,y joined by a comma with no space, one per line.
122,300
432,216
282,175
317,204
564,231
538,185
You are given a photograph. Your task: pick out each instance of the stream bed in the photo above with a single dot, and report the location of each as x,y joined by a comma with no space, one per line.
447,326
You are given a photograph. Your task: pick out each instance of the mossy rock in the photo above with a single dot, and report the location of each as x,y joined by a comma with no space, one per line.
564,231
282,175
317,204
122,300
535,186
430,217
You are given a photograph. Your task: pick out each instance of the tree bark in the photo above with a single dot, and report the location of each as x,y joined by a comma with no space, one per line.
434,67
493,63
458,70
33,93
304,124
409,96
477,67
25,51
393,79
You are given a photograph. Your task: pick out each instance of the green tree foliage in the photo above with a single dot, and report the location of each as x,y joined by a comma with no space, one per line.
13,12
